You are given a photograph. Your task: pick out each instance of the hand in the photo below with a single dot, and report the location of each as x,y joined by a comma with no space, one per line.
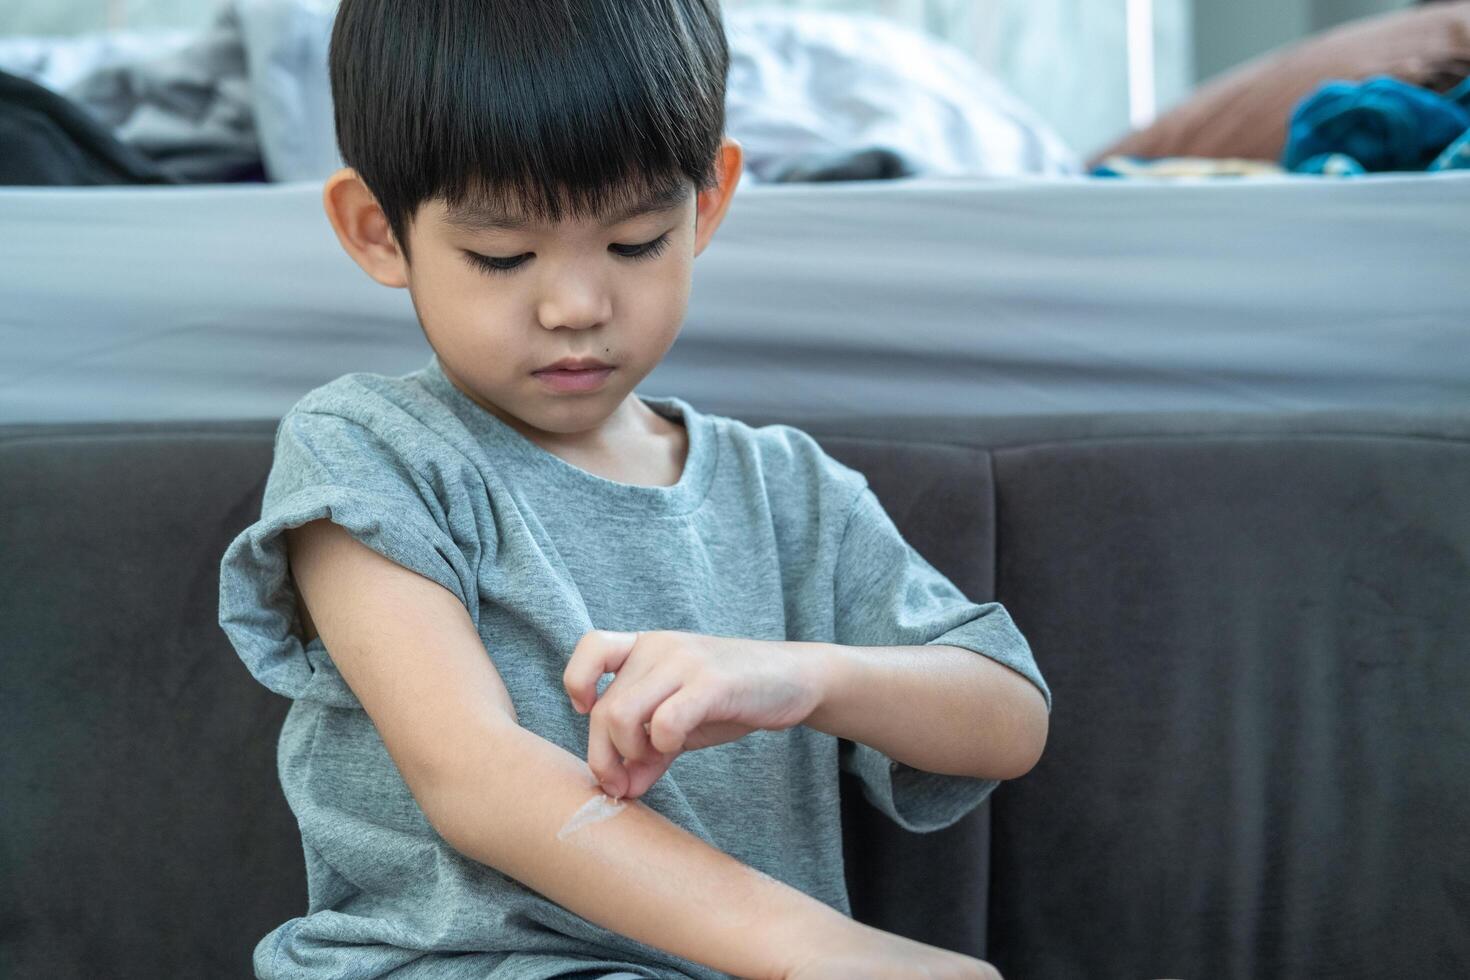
676,691
867,953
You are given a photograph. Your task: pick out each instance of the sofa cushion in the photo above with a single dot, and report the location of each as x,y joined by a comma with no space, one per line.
1259,649
145,830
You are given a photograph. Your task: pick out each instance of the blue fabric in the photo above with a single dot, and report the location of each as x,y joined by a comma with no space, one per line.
763,536
1456,156
1382,124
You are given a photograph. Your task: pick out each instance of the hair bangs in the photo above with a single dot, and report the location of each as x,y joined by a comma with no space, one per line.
544,112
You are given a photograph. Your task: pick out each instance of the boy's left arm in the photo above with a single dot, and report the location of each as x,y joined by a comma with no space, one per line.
944,709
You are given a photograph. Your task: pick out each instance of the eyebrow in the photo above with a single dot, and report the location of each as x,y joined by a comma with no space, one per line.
482,217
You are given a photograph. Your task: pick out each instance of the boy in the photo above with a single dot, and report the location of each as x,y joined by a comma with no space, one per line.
479,544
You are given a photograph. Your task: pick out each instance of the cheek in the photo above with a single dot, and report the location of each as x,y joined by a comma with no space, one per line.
671,299
453,294
659,313
458,311
463,288
656,313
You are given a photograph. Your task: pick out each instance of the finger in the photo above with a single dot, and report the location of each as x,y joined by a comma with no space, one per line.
675,717
598,652
642,775
603,758
628,706
616,732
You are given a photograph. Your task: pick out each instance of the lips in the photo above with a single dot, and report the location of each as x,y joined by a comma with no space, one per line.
574,364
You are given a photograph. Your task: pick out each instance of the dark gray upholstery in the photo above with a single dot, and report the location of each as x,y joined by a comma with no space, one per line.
1256,629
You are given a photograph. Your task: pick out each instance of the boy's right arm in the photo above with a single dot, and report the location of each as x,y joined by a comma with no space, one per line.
500,793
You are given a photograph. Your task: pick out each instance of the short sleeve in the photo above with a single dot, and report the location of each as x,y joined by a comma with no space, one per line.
887,594
326,465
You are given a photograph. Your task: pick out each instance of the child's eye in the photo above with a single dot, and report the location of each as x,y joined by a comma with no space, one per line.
645,251
492,264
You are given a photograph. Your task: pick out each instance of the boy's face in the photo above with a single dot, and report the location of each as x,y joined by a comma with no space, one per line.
577,289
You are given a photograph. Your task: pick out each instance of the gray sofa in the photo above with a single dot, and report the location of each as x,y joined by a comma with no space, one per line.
1256,629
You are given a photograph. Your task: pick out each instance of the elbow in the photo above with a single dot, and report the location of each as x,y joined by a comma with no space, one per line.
435,793
1037,747
1031,741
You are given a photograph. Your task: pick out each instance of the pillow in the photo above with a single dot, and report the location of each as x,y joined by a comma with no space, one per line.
286,44
824,85
1244,112
60,61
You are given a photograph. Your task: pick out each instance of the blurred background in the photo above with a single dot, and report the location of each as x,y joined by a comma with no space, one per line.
1092,68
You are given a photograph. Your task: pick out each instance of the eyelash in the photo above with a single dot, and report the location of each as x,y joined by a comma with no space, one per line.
647,250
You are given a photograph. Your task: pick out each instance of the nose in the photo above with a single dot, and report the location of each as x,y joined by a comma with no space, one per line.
576,299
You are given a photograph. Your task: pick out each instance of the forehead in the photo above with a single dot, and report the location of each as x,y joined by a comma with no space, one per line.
479,215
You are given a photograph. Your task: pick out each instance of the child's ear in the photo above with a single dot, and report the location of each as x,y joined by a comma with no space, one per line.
713,203
363,229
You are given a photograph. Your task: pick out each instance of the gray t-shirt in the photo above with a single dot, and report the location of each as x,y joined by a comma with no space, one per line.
764,536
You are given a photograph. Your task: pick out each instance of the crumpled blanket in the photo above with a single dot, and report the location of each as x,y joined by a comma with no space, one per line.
812,95
188,108
826,92
867,163
1379,124
49,140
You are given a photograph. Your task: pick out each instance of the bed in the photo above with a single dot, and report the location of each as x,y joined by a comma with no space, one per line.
1000,279
918,296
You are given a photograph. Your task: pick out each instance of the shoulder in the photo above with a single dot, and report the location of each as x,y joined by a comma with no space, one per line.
365,396
397,414
789,457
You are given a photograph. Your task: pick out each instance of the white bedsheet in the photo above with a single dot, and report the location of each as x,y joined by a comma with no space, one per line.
918,296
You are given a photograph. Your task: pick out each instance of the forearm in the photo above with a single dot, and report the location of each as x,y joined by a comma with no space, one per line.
635,872
938,708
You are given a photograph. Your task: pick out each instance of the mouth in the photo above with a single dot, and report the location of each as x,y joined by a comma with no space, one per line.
589,379
573,364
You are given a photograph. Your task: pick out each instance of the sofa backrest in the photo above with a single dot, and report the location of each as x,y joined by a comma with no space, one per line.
1255,629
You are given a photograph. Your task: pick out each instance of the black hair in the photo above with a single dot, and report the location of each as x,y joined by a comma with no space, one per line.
538,107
